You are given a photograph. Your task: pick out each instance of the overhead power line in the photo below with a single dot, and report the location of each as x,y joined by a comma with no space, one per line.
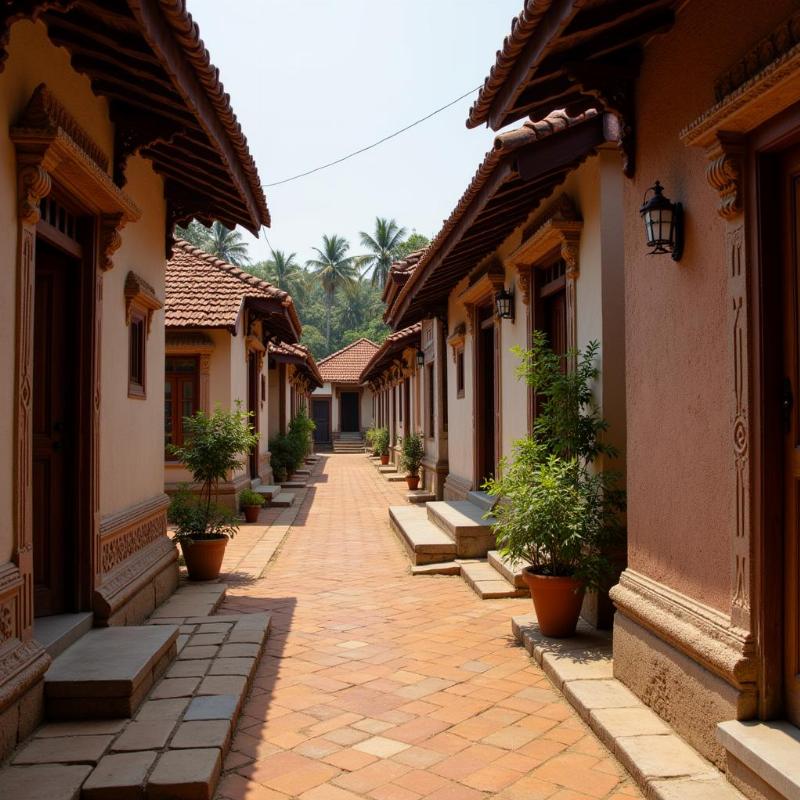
374,144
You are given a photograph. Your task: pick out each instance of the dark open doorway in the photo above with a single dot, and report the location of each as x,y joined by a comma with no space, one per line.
349,412
485,395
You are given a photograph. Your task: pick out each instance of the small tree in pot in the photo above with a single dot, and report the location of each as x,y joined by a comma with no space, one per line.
215,445
251,503
411,459
382,440
558,511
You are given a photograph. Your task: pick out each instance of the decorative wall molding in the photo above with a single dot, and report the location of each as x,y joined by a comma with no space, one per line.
457,338
124,533
725,171
139,294
22,664
704,634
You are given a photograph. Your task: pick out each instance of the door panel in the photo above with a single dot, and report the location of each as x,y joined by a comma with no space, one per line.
54,420
349,401
322,419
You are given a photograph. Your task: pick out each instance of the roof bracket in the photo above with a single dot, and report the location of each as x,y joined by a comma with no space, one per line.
612,83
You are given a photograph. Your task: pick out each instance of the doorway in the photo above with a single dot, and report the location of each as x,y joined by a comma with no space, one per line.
253,386
55,430
348,404
486,394
321,410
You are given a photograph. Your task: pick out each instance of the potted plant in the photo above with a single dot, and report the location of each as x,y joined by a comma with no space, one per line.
214,446
413,452
251,503
559,510
382,440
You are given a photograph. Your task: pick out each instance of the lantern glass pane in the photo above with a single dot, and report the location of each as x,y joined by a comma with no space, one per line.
648,227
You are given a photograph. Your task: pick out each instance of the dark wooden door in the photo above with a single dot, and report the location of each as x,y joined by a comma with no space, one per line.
791,365
349,411
321,410
253,385
54,430
486,397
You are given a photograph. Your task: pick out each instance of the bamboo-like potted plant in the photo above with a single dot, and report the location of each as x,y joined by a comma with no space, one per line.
382,440
215,445
559,510
251,504
413,451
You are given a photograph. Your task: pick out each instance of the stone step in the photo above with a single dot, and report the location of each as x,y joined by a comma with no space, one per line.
293,485
441,568
108,672
387,469
58,632
487,582
511,571
463,522
268,490
193,599
483,500
420,496
425,543
394,477
282,500
302,472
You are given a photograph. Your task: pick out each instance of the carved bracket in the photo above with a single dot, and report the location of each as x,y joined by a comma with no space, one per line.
724,172
613,85
132,132
34,184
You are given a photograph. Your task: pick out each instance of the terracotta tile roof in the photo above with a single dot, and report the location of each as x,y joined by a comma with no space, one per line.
546,60
399,273
167,102
394,343
346,365
204,292
297,354
526,197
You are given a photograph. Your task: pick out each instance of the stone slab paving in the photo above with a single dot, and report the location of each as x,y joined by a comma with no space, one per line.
662,764
375,684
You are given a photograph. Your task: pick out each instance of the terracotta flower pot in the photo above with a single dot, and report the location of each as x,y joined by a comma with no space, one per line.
557,602
384,460
413,482
203,557
251,513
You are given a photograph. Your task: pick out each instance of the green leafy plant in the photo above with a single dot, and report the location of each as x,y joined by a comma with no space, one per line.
558,510
194,519
369,438
413,451
247,497
381,442
287,451
214,446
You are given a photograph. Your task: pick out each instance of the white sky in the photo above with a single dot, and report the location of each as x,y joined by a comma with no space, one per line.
312,80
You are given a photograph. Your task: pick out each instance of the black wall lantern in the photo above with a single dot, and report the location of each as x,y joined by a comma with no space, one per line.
663,223
504,302
420,359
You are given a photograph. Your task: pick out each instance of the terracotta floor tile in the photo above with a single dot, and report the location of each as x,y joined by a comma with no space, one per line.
416,671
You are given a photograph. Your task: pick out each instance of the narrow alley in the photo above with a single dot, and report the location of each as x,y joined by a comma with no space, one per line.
376,684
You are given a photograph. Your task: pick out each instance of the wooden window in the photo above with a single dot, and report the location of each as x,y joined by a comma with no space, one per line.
460,374
137,353
181,381
429,377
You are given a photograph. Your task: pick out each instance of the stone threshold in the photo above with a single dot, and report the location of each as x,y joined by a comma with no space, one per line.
663,765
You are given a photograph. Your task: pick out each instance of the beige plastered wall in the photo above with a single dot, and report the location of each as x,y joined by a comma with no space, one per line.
595,189
131,430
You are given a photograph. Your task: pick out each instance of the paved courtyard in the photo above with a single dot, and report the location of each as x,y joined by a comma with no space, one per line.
376,684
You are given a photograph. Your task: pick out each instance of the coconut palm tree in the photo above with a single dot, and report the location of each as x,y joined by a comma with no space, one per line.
335,269
225,244
382,247
283,271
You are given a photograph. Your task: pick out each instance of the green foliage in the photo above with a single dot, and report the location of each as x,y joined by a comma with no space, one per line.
381,247
217,240
193,518
288,451
557,510
247,497
369,438
380,442
416,241
412,453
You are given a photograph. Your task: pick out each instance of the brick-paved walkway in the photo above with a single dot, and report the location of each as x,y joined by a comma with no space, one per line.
378,685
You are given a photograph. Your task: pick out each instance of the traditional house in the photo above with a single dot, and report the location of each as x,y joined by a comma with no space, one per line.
535,243
392,376
706,630
293,377
114,127
220,324
342,408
